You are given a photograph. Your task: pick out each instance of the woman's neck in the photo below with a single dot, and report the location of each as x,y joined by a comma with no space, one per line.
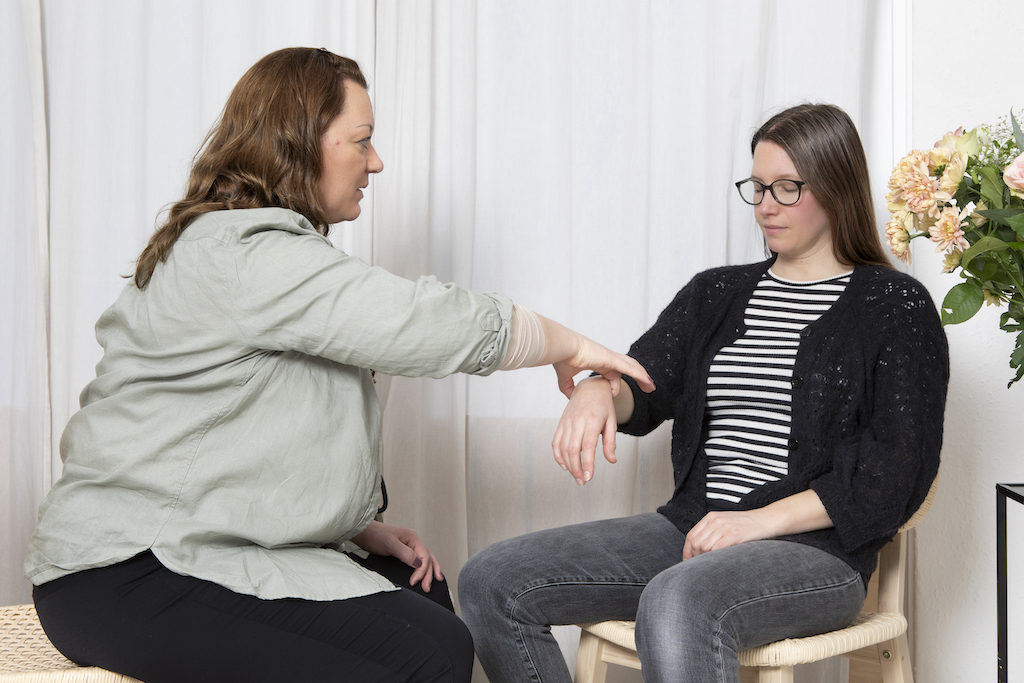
817,267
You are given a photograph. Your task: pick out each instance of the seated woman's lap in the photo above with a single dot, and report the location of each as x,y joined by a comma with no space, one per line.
140,619
631,568
513,590
739,597
571,574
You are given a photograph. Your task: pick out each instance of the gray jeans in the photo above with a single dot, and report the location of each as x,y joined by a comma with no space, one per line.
692,617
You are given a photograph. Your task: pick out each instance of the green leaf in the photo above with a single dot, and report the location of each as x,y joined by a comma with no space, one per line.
985,244
961,303
1017,134
1009,323
1017,223
991,187
1001,216
1017,359
1015,312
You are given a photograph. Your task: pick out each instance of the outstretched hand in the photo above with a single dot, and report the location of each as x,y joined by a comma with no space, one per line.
389,540
611,365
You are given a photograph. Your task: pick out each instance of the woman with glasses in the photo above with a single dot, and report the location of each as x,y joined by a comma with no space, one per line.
806,394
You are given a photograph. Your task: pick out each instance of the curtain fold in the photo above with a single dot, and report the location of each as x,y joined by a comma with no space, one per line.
24,269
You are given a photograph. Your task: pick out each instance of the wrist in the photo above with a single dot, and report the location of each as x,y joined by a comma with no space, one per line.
595,383
771,519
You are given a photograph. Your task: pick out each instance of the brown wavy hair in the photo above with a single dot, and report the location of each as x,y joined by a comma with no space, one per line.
826,150
265,148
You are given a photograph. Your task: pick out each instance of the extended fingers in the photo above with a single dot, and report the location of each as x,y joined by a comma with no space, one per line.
637,372
567,447
628,366
587,450
574,447
428,571
556,448
608,438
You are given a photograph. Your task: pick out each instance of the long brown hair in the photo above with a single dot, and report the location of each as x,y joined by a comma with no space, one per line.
823,144
265,148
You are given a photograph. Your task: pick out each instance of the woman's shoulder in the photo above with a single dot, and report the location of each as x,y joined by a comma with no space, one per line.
895,303
883,286
713,289
242,225
726,277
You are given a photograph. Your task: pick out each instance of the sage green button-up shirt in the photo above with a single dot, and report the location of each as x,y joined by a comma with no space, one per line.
233,427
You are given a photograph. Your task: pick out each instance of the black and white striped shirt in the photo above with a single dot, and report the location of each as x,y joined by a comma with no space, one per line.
750,387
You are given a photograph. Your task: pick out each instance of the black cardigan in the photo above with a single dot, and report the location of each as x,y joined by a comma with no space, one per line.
869,391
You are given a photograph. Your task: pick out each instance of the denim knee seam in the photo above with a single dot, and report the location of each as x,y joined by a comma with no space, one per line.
779,594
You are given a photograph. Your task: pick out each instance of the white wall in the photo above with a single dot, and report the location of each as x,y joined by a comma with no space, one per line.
966,71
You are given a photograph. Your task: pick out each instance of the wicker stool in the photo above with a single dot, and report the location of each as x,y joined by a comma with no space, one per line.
27,656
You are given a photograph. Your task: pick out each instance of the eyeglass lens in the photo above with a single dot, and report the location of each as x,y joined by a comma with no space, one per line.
786,192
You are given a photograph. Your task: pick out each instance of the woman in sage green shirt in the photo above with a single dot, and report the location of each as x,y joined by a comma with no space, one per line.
225,456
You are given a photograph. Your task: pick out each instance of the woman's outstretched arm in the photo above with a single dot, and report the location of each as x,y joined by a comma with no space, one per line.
536,340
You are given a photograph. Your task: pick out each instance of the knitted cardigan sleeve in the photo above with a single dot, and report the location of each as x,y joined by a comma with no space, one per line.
880,474
670,345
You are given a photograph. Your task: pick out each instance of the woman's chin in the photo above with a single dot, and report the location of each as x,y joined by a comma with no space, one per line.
349,215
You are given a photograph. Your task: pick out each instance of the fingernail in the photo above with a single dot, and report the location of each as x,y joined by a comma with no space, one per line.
564,468
587,476
580,482
417,563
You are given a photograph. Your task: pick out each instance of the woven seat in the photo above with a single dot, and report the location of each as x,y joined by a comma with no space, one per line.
876,636
27,656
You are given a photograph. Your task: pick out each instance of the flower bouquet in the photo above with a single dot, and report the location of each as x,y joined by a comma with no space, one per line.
966,194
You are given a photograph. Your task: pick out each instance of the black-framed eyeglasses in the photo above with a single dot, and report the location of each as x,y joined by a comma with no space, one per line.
785,191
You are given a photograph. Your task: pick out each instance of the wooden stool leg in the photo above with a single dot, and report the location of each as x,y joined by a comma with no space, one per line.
775,674
590,667
896,667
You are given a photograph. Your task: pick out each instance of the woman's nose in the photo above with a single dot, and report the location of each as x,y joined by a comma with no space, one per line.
374,164
768,205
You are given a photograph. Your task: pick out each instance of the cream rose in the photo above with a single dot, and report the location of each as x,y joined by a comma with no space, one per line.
957,140
954,173
1013,176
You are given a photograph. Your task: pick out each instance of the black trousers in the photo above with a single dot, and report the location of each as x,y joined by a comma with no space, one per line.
141,619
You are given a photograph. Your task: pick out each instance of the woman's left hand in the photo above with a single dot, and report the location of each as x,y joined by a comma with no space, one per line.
725,528
389,540
795,514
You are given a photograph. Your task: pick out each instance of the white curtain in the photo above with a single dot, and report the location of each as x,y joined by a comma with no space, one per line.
578,156
24,401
